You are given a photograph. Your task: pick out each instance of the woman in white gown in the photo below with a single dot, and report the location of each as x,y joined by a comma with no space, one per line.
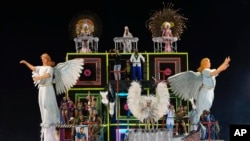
47,98
127,44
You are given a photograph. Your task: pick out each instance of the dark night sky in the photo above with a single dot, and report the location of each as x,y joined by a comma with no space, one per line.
215,30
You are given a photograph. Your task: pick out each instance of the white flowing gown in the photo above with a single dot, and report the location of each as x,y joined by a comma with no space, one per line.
47,104
206,94
199,86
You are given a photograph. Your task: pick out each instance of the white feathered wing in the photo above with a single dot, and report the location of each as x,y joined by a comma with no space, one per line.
136,102
186,85
67,74
163,99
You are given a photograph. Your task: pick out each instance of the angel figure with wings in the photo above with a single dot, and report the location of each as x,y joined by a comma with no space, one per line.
198,86
64,75
148,109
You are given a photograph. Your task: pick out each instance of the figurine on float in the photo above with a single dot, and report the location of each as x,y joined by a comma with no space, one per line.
44,76
198,86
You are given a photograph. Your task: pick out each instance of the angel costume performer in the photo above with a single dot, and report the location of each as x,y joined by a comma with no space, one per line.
148,108
43,78
198,85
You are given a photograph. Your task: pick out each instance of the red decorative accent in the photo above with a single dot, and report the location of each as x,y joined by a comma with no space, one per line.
167,62
92,75
87,72
209,124
65,134
167,71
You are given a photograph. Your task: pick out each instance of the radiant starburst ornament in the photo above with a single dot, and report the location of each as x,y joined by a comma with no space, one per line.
85,19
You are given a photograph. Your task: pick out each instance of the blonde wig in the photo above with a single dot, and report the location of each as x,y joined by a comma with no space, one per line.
50,62
203,64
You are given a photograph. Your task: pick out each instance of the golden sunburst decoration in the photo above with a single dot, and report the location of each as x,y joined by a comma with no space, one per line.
85,18
167,14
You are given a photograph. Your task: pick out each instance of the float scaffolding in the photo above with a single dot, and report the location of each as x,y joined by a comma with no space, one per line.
98,74
118,124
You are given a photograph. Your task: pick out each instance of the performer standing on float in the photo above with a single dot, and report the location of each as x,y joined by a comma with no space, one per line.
170,118
117,63
85,33
167,36
136,59
127,44
148,109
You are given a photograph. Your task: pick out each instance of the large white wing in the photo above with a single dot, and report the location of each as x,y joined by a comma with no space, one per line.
186,84
162,99
135,100
67,74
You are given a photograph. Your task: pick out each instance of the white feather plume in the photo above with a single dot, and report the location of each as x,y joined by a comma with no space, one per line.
137,103
35,74
186,85
104,94
163,99
134,100
111,108
67,74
